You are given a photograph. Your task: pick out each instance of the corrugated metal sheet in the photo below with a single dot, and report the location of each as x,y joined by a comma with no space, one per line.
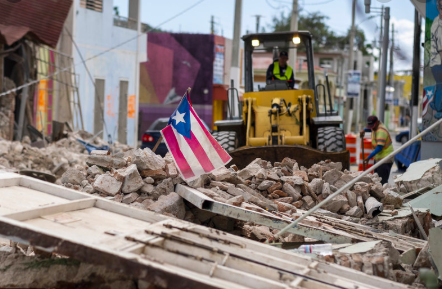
44,18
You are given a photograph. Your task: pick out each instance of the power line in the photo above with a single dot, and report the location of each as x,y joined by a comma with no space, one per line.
99,54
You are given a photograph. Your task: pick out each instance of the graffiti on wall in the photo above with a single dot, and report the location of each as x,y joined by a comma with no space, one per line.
176,62
432,96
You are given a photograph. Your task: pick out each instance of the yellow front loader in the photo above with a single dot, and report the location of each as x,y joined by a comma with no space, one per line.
274,122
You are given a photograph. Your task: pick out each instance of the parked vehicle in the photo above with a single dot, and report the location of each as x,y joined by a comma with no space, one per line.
151,136
404,135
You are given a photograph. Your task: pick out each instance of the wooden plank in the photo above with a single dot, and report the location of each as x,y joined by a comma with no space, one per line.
51,209
17,198
52,189
128,211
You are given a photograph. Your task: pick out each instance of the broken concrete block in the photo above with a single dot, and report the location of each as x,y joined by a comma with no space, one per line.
298,204
249,171
355,212
373,207
295,180
106,162
199,182
423,259
165,187
147,160
171,170
88,189
94,170
284,207
351,197
154,174
222,185
274,187
235,201
344,209
335,204
288,162
131,179
220,174
362,189
265,185
316,186
130,198
326,191
171,203
100,153
291,192
261,233
308,202
360,203
149,180
300,174
271,175
377,191
280,193
392,198
72,176
147,189
332,176
108,185
287,200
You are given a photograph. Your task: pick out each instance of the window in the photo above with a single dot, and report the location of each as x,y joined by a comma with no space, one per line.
96,5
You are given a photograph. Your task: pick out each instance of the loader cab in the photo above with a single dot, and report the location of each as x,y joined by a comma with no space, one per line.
286,41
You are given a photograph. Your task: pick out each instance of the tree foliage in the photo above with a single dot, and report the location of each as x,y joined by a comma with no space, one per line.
323,37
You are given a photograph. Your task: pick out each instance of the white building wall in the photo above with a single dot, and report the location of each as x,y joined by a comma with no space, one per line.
95,33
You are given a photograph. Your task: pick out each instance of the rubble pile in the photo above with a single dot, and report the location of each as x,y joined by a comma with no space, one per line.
382,260
142,179
54,158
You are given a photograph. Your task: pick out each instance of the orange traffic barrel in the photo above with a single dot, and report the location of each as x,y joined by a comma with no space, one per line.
367,151
350,142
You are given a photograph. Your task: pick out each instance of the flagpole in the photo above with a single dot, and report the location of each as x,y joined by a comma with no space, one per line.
161,137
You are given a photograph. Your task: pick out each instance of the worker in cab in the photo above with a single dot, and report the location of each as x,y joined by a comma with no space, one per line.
382,146
280,70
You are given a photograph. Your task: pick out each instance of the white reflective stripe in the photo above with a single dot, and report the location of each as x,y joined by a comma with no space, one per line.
200,135
188,154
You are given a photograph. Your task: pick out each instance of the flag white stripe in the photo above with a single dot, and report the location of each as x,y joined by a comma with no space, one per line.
188,154
205,143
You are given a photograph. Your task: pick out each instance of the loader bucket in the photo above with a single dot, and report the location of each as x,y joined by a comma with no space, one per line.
305,156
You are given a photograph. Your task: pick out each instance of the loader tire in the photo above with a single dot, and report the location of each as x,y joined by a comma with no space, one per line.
331,139
227,139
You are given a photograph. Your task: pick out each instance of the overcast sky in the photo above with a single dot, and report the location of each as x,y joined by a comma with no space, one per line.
197,20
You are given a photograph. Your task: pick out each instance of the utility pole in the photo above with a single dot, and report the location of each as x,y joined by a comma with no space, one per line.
391,78
349,102
212,25
234,67
416,73
293,27
258,17
383,68
381,36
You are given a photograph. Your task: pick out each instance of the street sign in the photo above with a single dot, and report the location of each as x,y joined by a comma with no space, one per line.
353,83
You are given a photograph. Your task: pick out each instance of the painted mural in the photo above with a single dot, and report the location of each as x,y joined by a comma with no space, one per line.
176,62
432,99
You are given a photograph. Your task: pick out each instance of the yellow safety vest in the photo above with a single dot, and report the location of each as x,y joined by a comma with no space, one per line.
277,72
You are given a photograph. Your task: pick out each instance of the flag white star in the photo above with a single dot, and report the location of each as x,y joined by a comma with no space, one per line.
179,117
429,93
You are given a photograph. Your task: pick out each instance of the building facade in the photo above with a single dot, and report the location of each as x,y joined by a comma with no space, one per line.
106,51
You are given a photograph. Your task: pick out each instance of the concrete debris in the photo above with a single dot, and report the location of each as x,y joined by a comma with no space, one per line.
72,176
107,185
171,203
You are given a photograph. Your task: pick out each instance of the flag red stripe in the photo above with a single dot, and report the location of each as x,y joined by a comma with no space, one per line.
174,149
200,154
225,157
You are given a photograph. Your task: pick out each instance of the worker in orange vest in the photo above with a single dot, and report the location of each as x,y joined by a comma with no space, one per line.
381,144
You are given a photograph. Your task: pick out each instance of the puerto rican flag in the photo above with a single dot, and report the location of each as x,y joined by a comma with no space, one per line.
193,148
428,97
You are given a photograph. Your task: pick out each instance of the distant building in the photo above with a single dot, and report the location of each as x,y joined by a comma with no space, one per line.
114,68
177,61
